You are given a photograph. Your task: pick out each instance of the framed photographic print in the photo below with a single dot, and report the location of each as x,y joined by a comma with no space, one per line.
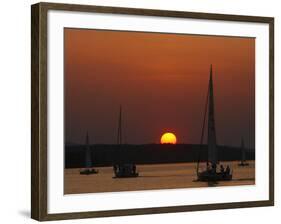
140,111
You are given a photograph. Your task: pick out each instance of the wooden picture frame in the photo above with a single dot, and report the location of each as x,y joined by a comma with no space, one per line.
39,109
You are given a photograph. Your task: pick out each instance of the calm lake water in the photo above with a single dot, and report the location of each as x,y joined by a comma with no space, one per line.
158,176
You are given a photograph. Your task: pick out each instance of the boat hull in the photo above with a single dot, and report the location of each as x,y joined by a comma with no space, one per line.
209,176
243,164
120,175
88,171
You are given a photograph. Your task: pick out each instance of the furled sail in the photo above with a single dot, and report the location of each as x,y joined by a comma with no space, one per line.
212,142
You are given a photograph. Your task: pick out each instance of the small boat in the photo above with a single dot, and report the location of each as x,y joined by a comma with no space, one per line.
125,170
243,161
211,173
88,160
121,169
88,171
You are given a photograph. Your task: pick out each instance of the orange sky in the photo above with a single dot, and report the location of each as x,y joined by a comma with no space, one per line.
161,81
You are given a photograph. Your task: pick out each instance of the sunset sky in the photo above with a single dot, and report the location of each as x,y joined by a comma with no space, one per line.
161,80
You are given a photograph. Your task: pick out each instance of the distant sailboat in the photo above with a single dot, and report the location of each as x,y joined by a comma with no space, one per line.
88,160
211,173
243,161
121,169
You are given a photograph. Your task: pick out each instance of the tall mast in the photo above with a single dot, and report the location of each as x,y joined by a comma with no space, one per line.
212,142
119,132
87,139
88,157
243,153
203,130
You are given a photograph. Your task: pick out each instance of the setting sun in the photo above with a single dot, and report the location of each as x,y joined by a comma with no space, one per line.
168,138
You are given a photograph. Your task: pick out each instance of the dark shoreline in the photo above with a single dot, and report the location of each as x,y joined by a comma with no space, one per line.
107,155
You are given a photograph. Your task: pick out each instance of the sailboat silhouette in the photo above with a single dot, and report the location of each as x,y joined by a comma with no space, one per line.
88,160
122,169
211,173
